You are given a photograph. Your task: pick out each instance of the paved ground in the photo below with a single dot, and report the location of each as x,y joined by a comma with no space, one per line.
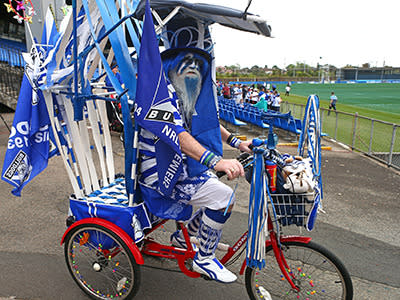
361,226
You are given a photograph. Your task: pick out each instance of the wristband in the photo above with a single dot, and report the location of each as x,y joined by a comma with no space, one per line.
209,159
233,141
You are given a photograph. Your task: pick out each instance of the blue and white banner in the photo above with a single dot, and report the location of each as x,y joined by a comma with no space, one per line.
28,145
29,142
154,108
255,247
310,138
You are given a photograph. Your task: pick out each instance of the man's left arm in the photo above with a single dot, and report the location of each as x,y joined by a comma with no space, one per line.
191,147
233,141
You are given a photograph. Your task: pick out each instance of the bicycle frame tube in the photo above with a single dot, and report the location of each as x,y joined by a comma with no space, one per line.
152,248
271,242
232,250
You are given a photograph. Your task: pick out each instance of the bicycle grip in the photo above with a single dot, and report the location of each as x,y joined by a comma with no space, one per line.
220,174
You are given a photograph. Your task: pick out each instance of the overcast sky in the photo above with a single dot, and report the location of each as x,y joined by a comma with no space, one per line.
340,31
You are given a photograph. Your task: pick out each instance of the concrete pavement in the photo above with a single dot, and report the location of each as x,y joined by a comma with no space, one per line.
361,226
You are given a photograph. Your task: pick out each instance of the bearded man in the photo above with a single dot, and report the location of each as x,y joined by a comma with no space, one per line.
200,137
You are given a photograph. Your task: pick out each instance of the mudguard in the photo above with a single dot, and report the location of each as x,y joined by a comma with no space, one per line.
114,228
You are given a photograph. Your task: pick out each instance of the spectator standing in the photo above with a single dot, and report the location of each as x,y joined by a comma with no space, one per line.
226,92
276,101
244,92
237,94
269,97
248,97
219,88
254,97
332,104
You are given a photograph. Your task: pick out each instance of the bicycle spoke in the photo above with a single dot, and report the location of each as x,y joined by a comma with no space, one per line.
315,275
101,270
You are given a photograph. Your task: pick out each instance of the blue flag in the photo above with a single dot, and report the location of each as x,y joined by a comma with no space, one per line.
28,145
29,142
154,108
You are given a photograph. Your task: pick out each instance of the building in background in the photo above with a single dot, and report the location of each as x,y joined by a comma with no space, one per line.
15,38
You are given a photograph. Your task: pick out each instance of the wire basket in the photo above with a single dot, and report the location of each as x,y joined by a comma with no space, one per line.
292,209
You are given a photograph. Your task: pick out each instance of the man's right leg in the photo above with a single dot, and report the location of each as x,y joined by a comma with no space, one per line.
214,196
210,231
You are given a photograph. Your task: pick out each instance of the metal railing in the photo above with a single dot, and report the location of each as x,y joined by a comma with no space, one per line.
12,56
377,139
10,83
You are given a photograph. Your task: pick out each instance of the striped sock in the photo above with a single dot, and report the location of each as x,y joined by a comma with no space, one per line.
192,226
194,223
210,231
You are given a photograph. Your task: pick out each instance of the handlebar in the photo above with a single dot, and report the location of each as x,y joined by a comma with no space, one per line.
258,146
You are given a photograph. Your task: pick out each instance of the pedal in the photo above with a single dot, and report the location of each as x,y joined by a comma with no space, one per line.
205,277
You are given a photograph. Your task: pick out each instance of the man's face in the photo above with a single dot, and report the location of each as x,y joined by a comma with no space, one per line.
189,67
186,78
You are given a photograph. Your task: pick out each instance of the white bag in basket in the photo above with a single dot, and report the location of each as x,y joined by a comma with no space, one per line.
299,176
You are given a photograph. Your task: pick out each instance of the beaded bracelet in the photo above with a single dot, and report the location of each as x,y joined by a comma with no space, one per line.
209,159
233,141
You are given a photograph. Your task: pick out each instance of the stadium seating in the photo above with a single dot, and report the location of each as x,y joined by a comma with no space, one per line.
243,114
11,52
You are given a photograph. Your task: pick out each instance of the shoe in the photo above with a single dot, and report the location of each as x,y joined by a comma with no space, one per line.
212,268
177,241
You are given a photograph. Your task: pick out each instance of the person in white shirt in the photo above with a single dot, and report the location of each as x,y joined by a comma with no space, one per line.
237,94
276,101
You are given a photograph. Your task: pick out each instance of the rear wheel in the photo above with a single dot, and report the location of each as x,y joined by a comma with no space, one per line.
317,272
101,263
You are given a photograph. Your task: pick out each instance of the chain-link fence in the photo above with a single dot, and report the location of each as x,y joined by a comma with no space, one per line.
375,138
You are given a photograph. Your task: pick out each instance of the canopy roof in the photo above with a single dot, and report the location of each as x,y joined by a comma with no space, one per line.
210,14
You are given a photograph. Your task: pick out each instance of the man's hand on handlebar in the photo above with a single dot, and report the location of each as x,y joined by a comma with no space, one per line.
232,167
244,146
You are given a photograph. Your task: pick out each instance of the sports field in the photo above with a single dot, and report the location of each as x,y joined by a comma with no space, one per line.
375,96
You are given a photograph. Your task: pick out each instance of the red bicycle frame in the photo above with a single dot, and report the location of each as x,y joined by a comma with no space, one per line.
153,248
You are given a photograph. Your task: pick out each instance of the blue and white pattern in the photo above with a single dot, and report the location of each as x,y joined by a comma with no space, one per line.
147,141
310,138
111,203
114,193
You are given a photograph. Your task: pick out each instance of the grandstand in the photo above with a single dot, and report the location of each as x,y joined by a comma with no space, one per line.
357,74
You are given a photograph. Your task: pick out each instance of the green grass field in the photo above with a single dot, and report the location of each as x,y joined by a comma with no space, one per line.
376,100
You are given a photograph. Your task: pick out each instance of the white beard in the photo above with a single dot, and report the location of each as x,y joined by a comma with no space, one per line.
187,90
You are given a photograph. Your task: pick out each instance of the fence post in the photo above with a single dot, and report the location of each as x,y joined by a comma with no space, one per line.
336,124
370,137
321,116
392,145
354,131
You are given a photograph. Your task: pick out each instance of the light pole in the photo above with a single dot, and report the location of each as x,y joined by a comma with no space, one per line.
319,69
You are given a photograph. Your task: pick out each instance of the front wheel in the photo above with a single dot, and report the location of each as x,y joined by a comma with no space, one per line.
316,271
101,263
